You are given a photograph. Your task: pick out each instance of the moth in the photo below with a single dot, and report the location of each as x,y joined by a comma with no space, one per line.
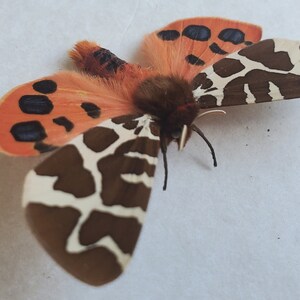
86,203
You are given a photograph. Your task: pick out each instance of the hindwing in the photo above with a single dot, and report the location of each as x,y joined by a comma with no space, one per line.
185,47
46,113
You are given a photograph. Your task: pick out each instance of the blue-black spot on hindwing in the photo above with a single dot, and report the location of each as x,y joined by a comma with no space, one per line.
235,36
31,131
197,32
35,104
63,121
91,109
42,147
168,35
216,49
194,60
46,86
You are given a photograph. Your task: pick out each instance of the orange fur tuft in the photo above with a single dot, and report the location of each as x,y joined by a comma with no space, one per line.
82,51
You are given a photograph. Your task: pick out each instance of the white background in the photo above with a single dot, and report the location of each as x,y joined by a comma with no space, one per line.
231,232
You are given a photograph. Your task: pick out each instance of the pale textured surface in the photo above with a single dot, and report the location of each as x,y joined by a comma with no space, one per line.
227,233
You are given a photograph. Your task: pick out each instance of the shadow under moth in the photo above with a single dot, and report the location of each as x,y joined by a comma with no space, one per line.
86,203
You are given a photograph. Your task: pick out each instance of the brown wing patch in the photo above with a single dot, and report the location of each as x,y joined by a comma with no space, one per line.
221,67
124,231
127,165
95,266
113,183
201,80
72,177
274,60
92,136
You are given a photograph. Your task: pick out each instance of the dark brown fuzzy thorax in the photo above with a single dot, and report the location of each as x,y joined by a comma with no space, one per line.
168,98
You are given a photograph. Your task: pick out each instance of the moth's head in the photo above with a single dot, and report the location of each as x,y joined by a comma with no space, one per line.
177,126
171,100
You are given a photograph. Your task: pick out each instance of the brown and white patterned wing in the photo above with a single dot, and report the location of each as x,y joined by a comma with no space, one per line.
86,203
263,72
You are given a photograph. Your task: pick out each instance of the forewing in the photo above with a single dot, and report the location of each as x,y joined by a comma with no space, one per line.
185,47
264,72
86,203
43,114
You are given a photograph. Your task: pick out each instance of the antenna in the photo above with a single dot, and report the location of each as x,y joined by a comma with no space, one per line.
196,129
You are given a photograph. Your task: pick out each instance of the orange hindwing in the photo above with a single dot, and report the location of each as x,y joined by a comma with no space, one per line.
43,114
185,47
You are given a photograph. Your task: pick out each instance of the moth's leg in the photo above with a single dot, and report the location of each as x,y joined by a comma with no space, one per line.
95,60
